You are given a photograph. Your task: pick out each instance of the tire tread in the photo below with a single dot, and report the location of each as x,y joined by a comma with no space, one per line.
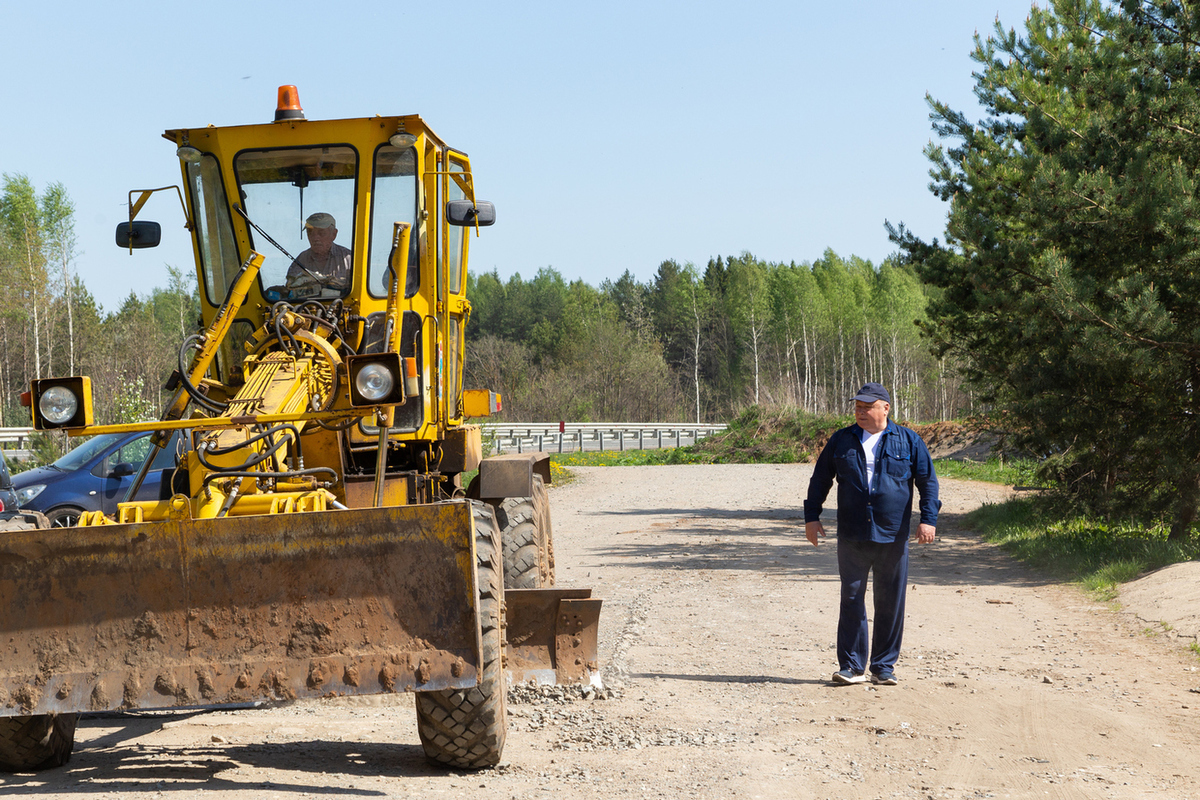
466,728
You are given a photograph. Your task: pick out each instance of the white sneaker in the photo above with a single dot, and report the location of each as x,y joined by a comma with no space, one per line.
846,676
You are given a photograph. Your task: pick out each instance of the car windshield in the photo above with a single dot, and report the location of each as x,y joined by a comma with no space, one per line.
76,458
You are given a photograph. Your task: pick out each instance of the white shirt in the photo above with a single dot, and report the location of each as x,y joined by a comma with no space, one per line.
869,440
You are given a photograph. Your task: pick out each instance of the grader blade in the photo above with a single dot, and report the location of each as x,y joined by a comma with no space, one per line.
551,636
206,612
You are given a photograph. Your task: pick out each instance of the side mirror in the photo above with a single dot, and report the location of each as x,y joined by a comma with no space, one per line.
139,234
464,213
121,470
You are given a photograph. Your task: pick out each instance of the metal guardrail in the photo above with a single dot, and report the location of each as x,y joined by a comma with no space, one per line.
15,443
570,437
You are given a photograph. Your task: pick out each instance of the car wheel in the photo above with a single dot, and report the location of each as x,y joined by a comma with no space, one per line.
63,517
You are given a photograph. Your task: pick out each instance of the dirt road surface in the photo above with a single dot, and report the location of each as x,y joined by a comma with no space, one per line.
717,644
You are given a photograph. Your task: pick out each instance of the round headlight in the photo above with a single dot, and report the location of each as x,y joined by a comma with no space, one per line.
58,404
374,382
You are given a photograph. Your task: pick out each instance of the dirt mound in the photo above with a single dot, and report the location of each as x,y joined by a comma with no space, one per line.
1167,599
956,440
788,435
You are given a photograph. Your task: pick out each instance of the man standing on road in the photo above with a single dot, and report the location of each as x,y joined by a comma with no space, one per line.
876,463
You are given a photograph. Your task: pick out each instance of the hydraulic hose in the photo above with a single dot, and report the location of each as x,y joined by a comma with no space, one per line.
197,396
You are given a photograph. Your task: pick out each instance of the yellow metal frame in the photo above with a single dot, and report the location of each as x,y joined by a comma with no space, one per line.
432,153
135,206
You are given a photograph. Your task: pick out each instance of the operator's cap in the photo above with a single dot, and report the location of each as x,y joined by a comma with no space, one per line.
320,220
870,392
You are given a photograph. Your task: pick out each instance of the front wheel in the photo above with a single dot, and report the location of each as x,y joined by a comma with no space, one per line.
44,741
466,728
64,517
41,741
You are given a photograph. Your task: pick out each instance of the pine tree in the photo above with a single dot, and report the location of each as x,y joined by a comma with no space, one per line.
1070,274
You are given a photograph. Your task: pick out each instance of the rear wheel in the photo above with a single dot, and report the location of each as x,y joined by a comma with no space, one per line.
465,728
528,540
42,741
39,742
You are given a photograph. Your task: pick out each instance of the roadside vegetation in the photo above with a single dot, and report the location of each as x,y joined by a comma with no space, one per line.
1020,472
1065,280
1096,554
758,435
762,435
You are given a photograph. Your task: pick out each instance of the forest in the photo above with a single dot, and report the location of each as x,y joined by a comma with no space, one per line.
699,345
51,325
687,345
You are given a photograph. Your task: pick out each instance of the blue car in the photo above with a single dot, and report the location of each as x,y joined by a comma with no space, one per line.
95,476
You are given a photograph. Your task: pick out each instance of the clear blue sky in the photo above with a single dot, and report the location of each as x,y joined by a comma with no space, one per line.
610,136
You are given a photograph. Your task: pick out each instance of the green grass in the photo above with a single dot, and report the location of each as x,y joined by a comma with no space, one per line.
628,458
1011,472
1097,555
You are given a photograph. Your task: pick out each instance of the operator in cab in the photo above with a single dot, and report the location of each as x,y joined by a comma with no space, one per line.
324,265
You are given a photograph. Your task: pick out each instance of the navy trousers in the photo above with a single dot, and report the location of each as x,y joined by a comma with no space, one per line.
889,562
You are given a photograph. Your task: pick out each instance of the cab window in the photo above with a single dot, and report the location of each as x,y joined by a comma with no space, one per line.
455,234
214,234
395,200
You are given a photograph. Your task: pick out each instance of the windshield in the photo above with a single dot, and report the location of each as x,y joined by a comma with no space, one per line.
74,459
303,199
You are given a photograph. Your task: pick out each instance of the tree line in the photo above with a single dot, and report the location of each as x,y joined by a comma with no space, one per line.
699,345
686,345
51,325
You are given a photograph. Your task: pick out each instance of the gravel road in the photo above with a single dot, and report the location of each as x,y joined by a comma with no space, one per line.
717,647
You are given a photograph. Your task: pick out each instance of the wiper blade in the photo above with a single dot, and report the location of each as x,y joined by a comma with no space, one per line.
266,235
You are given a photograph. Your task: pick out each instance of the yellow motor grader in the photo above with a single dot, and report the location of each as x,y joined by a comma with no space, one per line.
315,538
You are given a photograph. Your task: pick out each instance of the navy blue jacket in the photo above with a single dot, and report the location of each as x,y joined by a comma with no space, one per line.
882,514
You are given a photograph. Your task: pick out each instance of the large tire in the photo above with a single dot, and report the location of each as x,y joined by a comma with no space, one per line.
42,741
28,744
528,540
465,728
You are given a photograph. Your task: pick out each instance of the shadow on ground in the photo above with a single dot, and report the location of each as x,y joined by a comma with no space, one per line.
744,679
115,763
773,541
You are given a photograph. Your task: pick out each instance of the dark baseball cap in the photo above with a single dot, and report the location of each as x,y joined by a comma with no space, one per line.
870,392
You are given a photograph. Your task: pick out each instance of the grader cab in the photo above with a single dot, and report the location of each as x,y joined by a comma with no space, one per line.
316,537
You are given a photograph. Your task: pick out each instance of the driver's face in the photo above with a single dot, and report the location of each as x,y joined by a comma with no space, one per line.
321,239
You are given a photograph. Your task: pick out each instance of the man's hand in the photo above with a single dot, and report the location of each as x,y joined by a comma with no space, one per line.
815,531
925,533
